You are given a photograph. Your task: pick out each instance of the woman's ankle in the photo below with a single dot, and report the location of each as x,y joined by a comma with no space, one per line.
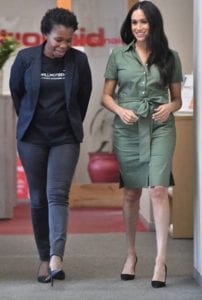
159,271
160,261
43,268
56,262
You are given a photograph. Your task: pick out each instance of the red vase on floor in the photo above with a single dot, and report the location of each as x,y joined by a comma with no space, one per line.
103,167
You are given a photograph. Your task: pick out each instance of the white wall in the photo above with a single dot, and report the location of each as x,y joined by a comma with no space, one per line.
28,9
178,24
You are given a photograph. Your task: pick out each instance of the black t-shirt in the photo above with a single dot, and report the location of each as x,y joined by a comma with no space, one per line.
50,124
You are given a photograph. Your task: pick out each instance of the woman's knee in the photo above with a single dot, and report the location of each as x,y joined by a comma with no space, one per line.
57,196
158,192
132,195
38,199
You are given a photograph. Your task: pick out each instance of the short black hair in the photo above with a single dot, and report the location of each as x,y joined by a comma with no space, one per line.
58,16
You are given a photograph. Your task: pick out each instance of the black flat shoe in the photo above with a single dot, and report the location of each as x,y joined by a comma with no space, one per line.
58,274
159,284
126,277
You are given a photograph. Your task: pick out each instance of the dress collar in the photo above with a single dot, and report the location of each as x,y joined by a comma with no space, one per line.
129,46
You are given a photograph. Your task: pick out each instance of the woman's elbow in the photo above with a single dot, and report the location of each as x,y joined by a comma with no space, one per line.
103,100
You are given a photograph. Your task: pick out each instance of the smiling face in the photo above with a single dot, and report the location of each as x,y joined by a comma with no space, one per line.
58,41
140,25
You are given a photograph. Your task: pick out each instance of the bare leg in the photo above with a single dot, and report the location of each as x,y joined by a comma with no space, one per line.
161,210
131,202
55,262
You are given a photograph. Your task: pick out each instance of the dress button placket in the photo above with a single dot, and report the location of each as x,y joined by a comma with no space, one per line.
144,80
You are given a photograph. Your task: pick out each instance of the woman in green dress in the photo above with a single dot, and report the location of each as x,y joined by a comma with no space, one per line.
147,75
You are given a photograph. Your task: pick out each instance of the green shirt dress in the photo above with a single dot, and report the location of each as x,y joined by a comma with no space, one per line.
145,149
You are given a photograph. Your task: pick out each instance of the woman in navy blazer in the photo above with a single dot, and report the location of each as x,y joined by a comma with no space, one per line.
51,86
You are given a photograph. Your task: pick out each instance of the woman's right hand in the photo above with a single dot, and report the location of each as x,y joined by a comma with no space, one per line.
127,116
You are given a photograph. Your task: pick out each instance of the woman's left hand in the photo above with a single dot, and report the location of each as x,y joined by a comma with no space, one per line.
162,112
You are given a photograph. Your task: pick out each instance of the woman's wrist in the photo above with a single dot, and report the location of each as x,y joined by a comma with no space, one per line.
117,110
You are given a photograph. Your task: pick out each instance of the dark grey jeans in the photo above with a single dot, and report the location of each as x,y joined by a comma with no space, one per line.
49,172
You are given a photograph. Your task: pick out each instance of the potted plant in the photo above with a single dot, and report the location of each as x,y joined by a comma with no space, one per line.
8,45
103,165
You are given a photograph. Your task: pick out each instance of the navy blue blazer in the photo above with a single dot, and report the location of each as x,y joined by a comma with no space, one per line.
25,85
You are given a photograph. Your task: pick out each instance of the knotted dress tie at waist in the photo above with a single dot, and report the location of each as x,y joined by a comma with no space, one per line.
143,108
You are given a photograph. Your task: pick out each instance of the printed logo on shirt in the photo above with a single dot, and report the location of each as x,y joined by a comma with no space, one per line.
53,76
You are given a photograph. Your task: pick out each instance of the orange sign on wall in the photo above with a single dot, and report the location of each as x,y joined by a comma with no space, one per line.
64,3
68,3
131,3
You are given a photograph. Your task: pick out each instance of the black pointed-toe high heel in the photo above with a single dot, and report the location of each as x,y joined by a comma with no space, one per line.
159,284
125,276
43,278
58,274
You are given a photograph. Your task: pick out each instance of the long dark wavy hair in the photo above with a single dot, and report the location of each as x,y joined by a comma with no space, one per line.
157,42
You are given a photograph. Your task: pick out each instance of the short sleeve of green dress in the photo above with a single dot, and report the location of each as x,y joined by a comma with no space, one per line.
177,72
145,149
